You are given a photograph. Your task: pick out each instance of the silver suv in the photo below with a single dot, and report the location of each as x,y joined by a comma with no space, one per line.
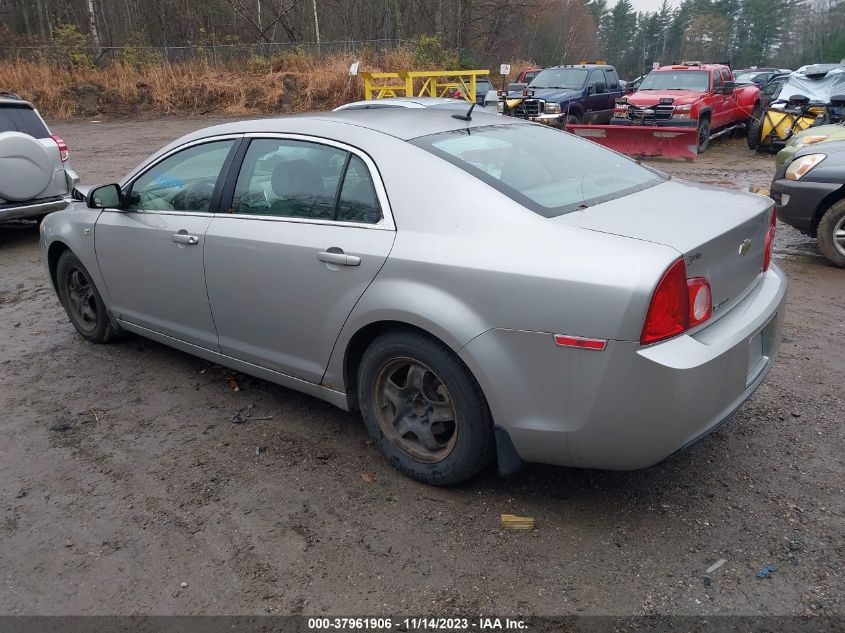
35,174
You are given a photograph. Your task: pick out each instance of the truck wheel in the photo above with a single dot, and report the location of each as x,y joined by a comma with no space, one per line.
573,119
752,138
831,234
703,135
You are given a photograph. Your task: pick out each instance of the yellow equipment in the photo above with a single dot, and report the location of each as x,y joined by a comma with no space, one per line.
778,125
434,83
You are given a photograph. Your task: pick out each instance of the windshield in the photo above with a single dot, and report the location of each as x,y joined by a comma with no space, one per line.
698,80
544,169
560,78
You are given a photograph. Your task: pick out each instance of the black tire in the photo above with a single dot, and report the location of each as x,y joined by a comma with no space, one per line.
82,301
464,446
832,225
752,138
573,119
703,135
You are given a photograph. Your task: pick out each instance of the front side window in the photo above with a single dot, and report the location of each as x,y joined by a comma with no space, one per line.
184,181
597,78
698,80
717,81
299,179
543,169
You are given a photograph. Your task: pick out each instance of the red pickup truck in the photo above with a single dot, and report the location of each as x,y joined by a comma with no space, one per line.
688,95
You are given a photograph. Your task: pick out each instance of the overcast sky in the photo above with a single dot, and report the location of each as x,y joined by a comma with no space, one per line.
646,5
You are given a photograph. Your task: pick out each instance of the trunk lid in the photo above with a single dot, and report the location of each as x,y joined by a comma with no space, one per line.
721,234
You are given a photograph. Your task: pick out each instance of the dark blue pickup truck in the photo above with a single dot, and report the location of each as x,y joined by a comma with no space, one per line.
578,93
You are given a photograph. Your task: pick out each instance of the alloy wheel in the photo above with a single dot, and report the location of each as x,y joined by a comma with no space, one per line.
839,235
415,410
80,293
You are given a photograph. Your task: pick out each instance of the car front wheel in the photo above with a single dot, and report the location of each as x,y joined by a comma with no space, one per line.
82,301
831,234
703,135
424,409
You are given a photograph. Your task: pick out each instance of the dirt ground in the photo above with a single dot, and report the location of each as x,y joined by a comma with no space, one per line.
122,475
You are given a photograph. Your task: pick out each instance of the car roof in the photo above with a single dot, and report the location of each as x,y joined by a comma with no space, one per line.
10,98
408,102
604,66
401,123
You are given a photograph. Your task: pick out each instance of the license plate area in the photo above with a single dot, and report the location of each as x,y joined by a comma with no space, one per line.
759,352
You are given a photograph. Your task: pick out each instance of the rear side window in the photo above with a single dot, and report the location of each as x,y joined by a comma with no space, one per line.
20,118
612,79
543,169
299,179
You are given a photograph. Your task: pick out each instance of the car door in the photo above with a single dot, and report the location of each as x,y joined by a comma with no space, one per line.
723,104
150,251
598,105
307,229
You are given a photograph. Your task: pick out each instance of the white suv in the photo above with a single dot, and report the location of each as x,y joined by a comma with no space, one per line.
35,174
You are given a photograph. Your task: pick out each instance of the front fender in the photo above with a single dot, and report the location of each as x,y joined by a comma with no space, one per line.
73,228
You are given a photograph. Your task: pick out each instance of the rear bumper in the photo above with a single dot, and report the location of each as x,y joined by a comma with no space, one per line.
32,209
629,406
796,201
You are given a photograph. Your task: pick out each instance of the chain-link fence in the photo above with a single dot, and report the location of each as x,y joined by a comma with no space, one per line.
214,52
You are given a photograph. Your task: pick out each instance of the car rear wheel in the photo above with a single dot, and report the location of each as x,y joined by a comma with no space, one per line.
82,301
703,135
573,119
424,409
831,234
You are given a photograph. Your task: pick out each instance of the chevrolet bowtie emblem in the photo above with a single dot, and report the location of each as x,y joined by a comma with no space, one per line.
745,247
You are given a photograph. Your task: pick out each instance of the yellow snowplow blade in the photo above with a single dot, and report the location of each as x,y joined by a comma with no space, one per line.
643,141
512,103
780,126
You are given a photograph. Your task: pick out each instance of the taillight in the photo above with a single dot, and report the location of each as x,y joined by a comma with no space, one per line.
700,300
63,150
677,305
770,239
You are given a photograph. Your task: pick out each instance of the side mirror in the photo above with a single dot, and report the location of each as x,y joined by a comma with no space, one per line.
601,87
105,197
728,87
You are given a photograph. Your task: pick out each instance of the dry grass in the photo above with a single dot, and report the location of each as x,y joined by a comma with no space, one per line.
288,83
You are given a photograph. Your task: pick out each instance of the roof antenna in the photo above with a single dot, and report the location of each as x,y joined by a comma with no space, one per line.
464,117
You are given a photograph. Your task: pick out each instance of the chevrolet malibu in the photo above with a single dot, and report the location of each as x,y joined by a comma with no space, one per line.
480,289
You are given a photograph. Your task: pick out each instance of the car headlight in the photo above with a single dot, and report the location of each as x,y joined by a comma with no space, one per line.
552,108
683,108
500,107
800,167
809,140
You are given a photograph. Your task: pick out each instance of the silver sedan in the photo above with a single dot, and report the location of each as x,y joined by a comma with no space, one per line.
484,289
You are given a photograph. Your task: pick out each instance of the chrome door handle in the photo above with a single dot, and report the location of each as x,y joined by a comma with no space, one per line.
338,257
184,238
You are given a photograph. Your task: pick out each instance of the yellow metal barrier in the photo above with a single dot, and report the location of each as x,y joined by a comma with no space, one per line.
434,83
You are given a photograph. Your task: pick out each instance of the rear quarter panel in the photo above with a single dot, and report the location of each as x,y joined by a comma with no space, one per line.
473,260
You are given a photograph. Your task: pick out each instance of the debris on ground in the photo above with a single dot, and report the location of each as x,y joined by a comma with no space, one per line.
368,477
513,522
244,414
21,493
716,565
764,573
232,381
184,585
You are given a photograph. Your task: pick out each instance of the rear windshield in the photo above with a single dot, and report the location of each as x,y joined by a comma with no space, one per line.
20,118
698,80
560,78
544,169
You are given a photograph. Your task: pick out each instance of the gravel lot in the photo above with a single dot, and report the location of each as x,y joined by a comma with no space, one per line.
122,476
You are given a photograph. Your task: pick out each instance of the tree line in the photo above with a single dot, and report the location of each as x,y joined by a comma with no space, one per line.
782,33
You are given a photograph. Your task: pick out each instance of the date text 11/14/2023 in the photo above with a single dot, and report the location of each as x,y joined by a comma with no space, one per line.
443,624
